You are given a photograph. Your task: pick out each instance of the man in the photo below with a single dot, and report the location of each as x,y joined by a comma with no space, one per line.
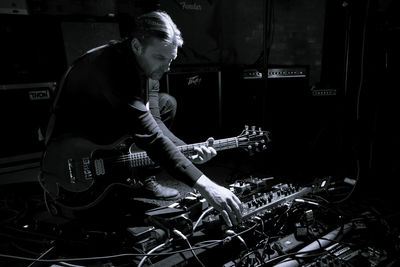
162,107
103,96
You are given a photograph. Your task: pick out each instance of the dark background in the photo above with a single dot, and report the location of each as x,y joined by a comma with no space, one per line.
348,47
337,121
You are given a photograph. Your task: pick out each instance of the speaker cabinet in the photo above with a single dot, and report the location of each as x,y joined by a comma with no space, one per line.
198,94
24,111
279,103
287,103
242,100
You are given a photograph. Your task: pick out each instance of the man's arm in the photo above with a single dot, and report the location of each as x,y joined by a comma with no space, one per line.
151,139
203,153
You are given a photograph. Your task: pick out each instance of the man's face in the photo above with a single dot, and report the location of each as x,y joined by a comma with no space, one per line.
155,58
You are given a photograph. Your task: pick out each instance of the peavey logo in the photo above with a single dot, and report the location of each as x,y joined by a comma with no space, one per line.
39,95
195,80
194,6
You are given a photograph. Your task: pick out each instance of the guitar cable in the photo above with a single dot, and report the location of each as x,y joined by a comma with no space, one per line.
205,244
201,217
45,192
179,233
152,250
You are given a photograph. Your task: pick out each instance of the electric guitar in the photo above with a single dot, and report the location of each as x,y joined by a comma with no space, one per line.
78,173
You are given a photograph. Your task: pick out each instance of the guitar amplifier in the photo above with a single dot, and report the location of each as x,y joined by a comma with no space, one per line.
277,100
24,111
273,99
198,95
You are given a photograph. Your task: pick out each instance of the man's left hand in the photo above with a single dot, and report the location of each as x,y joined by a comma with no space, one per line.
203,154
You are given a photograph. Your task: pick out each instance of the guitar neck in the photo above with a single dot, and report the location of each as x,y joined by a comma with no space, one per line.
139,159
218,145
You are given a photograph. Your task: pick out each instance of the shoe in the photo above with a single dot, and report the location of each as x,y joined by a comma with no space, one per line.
152,189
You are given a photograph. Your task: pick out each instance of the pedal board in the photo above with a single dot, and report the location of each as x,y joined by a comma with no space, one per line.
280,193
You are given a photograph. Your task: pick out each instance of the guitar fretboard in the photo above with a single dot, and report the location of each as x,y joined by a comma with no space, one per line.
139,159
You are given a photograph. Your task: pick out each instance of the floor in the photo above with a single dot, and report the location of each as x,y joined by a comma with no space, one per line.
24,217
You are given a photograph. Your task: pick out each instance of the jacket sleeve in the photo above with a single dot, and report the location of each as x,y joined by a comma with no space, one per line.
149,137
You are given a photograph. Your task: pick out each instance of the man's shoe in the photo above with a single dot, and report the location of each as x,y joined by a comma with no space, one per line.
152,189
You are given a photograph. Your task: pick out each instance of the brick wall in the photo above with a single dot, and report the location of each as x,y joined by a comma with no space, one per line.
298,28
298,34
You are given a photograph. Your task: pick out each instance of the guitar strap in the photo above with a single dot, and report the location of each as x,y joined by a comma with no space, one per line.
52,119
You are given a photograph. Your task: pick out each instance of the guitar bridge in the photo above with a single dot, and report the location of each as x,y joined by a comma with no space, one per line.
99,167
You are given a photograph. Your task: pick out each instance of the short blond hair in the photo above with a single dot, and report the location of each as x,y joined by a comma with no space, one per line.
157,24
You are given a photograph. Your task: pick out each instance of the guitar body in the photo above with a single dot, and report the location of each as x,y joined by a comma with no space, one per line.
78,172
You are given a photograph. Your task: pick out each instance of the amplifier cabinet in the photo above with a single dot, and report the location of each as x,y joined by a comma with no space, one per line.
198,94
24,111
277,101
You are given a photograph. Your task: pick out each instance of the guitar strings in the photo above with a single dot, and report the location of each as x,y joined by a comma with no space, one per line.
144,157
144,160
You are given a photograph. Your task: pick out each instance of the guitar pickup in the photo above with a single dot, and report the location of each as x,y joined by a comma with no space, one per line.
87,173
99,167
72,178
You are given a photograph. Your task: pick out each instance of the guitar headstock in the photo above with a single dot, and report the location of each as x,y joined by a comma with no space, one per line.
253,139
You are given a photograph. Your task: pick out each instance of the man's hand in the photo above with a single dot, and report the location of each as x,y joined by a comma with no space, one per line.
222,199
203,153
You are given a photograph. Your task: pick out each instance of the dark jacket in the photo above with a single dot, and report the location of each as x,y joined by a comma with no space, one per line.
103,98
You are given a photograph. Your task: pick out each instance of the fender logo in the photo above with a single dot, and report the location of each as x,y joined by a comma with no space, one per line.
193,6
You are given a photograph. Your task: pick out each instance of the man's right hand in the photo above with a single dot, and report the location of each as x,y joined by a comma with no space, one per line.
222,199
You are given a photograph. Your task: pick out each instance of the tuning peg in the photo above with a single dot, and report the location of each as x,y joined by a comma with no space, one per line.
246,129
210,141
253,128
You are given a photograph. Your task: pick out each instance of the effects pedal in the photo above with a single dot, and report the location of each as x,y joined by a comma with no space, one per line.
250,185
258,203
193,204
280,194
240,187
147,237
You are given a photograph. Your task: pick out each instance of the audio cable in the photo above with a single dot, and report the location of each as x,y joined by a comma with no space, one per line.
232,233
152,250
201,217
179,233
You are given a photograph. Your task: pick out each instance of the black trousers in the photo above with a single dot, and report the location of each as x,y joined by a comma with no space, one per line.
168,105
